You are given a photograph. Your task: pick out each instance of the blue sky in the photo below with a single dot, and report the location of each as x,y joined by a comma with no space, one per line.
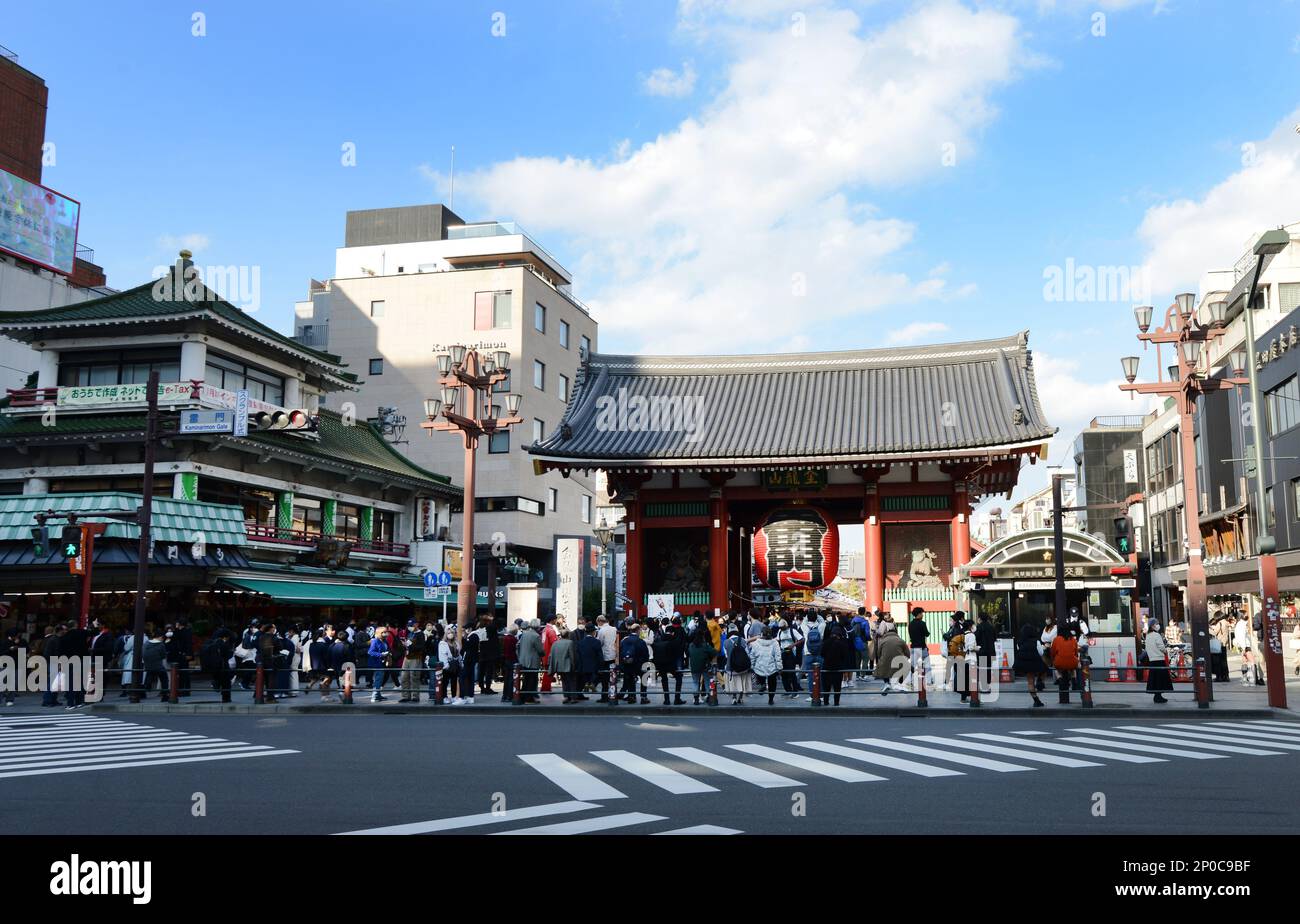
690,161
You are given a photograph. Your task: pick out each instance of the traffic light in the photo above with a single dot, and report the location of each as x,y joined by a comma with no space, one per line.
40,541
70,542
296,419
1123,543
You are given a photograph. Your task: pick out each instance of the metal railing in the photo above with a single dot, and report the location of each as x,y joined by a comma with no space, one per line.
265,533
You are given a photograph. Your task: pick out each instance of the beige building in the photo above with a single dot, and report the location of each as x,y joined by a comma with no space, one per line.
413,281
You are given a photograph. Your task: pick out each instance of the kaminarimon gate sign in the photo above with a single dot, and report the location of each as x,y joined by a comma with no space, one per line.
703,451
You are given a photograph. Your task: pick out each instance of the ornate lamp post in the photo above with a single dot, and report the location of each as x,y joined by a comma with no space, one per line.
1186,384
604,535
466,404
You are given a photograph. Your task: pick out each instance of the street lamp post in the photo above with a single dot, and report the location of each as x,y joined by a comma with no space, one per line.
1186,384
604,535
466,405
1270,242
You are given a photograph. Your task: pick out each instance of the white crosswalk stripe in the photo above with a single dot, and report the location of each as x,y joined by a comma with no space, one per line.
811,764
1206,742
969,760
734,768
701,829
1153,737
588,825
1067,748
664,777
880,760
1277,734
1292,727
39,746
1006,752
1242,736
1143,749
479,819
577,782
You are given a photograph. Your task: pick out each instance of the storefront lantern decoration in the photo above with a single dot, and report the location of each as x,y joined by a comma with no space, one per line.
797,548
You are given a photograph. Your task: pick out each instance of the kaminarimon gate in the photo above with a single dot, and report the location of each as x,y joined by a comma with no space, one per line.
717,458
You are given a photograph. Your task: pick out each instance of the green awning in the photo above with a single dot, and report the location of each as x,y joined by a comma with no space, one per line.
416,595
320,593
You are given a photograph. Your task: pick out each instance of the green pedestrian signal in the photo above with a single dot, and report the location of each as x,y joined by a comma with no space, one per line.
40,541
1123,545
70,546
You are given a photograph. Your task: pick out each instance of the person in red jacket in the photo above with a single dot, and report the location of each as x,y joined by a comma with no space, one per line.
1065,659
509,655
549,635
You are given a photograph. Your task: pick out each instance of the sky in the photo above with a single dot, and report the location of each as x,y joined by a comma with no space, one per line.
757,175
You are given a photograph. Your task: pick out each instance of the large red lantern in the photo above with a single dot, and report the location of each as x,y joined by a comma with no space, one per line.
797,547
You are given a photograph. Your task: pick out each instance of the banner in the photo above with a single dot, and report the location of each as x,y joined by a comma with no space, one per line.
38,224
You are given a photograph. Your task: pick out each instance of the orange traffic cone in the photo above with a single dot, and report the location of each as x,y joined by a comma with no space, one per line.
1113,674
1130,672
1005,675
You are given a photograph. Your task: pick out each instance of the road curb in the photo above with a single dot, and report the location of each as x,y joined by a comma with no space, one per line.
690,712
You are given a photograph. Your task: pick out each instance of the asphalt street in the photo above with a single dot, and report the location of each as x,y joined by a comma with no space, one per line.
635,773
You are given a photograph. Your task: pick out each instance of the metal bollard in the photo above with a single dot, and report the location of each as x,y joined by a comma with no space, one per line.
1202,685
816,684
921,701
173,683
973,681
518,680
1085,668
259,686
347,687
613,684
712,699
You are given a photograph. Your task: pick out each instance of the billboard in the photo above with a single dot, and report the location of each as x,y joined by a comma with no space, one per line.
38,224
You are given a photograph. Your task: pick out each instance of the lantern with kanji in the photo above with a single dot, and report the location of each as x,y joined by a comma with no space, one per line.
797,547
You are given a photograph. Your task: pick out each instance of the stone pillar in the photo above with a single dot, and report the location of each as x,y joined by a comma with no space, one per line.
873,547
47,370
292,393
185,486
718,598
194,360
329,509
36,486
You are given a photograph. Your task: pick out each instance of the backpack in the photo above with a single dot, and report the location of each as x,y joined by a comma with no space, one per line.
210,656
957,645
813,640
739,658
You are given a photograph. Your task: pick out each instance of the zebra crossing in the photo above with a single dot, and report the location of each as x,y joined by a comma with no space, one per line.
44,745
602,775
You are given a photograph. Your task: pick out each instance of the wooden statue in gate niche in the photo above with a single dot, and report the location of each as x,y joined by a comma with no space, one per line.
923,574
682,571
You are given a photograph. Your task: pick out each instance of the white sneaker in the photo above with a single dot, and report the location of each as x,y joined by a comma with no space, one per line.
457,701
468,701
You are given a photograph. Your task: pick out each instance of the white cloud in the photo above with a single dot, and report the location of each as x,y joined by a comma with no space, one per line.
664,81
916,332
194,242
710,232
1188,237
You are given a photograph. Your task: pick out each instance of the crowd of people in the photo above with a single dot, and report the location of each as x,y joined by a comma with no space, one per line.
731,655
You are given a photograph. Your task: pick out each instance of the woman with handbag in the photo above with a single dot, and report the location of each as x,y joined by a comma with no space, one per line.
1029,660
449,657
377,655
1155,650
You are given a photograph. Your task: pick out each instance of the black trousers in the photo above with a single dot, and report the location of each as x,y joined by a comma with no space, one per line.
663,677
602,677
221,680
487,674
768,682
508,681
528,686
632,673
832,681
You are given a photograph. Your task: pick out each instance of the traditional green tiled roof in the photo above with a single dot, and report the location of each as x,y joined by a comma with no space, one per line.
173,520
361,444
141,303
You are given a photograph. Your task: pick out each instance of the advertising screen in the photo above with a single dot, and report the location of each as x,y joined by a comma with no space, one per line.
37,223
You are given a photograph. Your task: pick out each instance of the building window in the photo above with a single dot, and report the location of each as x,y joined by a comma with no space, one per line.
1283,406
377,308
586,508
499,442
491,310
564,388
503,385
118,367
376,367
564,334
539,317
584,345
1272,509
552,499
539,374
236,376
539,430
1295,497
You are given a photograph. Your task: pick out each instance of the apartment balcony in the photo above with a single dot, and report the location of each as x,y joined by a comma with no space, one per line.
307,539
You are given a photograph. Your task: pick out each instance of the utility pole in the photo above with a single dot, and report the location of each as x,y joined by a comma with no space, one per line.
145,520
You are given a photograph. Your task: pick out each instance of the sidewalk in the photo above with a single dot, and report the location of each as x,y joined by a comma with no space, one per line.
1128,700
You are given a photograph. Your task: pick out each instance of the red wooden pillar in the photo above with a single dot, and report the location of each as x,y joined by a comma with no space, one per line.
635,557
718,563
960,527
873,551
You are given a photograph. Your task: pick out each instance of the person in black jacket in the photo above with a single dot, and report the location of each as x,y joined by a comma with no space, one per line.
9,646
632,654
102,648
49,651
222,674
75,644
986,646
590,661
838,657
183,649
489,653
669,644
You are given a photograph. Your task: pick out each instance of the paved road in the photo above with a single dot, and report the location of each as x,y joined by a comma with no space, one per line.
632,774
